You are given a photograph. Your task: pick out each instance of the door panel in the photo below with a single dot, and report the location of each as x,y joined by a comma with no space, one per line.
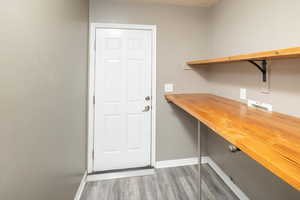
122,132
134,82
111,132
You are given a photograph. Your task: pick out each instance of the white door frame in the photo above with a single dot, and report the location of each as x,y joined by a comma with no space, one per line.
91,87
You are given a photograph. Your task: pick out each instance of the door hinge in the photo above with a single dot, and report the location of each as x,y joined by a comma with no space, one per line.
94,45
93,154
94,100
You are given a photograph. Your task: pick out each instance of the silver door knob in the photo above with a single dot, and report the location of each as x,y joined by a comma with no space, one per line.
146,109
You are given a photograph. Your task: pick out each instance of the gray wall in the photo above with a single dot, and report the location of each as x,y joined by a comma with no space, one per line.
43,85
250,26
182,34
43,59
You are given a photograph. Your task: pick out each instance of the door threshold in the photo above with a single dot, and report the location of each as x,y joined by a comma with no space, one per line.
123,173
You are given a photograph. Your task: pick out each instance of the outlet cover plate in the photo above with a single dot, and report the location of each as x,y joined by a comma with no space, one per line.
243,93
169,87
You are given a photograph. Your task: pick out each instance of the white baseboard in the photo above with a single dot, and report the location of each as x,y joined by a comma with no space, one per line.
179,162
204,159
235,189
81,187
113,175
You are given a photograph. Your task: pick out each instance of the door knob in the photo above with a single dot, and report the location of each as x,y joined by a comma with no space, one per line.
146,109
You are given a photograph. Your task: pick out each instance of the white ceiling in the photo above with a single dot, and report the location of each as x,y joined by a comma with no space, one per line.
202,3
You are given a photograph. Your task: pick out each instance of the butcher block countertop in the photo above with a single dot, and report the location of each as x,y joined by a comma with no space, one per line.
270,138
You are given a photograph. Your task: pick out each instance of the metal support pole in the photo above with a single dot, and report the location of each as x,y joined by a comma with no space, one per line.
199,156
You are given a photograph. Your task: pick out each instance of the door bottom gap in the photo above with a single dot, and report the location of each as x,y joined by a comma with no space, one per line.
121,170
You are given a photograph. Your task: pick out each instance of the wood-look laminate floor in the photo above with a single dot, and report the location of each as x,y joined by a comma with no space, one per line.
179,183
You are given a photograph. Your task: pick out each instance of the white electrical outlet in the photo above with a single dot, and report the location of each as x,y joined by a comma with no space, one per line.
243,93
256,104
169,87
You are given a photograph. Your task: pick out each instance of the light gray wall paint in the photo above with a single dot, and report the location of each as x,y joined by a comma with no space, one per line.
182,34
250,26
43,59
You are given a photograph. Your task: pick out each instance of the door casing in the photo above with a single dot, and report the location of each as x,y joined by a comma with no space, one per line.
91,86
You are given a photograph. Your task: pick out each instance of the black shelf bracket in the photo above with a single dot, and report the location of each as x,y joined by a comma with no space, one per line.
262,67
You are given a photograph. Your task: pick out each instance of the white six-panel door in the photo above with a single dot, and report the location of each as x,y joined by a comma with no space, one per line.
122,125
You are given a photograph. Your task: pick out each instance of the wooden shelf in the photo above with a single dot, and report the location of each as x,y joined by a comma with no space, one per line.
270,138
268,55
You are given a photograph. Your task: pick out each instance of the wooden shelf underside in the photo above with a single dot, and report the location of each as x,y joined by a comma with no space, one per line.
270,138
267,55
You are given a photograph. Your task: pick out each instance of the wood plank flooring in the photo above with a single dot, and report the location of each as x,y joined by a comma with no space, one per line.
179,183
